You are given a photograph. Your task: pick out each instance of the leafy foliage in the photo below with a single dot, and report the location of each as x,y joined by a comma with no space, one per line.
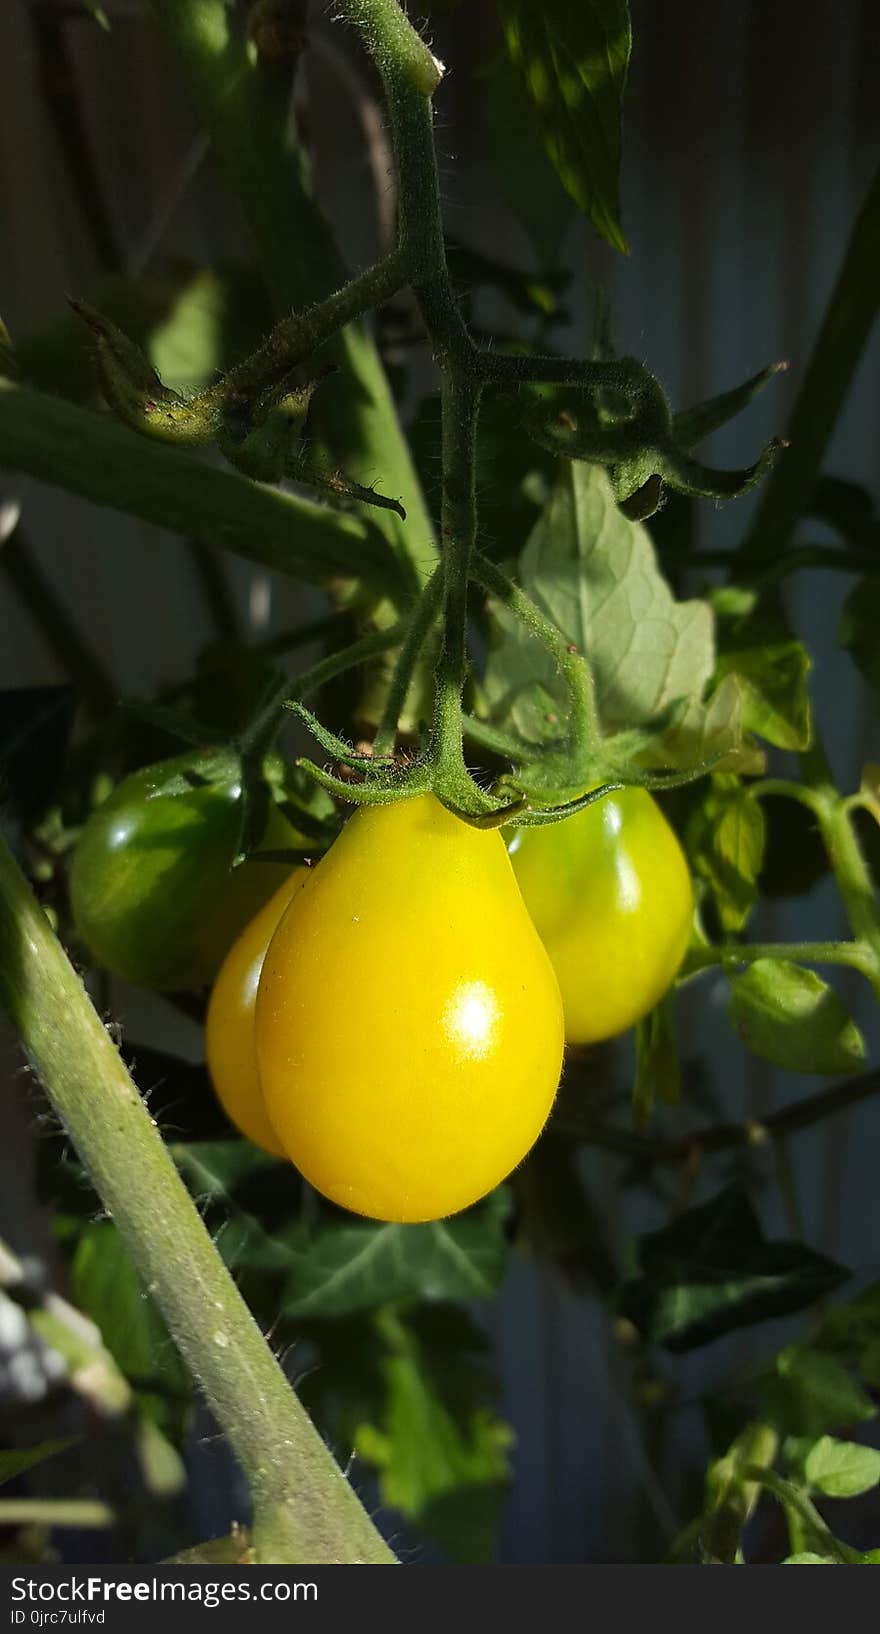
789,1016
595,574
572,63
712,1270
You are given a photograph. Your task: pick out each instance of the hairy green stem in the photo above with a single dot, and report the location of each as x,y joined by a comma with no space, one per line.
854,954
304,1509
853,878
417,632
337,663
296,337
104,462
460,406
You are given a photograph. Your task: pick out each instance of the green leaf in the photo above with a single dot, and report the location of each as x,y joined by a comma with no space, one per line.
345,1264
14,1463
596,574
349,1267
106,1286
658,1068
842,1469
772,668
789,1016
859,623
440,1449
807,1559
725,842
572,61
811,1394
712,1270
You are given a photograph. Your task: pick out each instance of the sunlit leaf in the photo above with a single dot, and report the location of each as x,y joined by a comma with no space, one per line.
572,61
596,574
788,1015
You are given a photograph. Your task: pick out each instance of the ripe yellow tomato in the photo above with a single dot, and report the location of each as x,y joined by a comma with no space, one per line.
610,894
229,1024
409,1025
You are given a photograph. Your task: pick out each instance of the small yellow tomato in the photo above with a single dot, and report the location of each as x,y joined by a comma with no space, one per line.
611,897
229,1024
408,1024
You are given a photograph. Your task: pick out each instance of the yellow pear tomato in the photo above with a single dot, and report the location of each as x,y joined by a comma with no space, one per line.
610,894
408,1023
229,1024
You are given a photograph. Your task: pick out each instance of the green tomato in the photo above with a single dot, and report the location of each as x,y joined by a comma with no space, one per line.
154,894
610,895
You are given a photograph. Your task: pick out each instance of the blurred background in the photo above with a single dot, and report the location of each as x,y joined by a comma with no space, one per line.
750,134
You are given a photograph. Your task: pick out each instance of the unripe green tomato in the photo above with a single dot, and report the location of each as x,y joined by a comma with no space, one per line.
610,895
154,894
408,1021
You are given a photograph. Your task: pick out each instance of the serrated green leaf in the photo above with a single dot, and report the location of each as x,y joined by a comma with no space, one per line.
340,1269
788,1015
841,1469
725,842
859,624
15,1462
773,670
807,1559
712,1270
596,574
572,62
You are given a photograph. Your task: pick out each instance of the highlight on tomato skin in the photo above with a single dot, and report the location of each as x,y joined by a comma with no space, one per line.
610,894
408,1022
230,1045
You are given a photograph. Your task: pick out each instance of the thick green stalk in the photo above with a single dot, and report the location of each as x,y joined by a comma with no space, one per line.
304,1509
103,461
460,406
243,104
845,328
